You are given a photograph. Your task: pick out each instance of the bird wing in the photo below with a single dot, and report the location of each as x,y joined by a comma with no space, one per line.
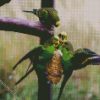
95,60
89,57
31,55
83,57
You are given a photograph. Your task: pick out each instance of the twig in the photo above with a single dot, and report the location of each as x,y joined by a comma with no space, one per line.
24,26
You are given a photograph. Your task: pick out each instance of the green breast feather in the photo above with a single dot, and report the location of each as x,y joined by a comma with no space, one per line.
66,56
47,54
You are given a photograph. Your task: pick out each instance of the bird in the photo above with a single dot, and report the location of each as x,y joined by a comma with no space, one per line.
80,59
2,2
47,16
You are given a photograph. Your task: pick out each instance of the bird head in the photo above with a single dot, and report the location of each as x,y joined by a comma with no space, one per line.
53,17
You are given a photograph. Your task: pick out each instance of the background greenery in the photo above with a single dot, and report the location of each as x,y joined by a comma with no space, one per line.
81,20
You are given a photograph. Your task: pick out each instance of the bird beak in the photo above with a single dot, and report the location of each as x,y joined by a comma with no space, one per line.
57,24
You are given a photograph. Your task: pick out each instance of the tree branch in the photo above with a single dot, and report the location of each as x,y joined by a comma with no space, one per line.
43,85
24,26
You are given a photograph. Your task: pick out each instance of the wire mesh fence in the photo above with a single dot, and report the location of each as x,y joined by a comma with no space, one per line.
81,20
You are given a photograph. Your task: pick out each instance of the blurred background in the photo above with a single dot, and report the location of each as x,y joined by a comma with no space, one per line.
81,20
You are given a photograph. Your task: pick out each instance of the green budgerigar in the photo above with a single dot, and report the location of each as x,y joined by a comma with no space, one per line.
47,16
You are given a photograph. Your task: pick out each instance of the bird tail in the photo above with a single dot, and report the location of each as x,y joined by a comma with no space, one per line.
34,11
27,11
